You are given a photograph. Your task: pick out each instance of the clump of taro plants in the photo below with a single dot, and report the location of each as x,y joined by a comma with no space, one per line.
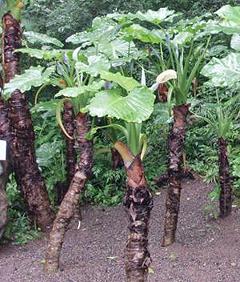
221,117
77,86
187,62
81,85
222,73
172,48
17,122
128,104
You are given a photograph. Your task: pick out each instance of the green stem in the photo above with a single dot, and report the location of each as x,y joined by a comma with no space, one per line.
134,132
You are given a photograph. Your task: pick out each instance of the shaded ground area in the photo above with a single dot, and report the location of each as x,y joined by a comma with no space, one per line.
207,250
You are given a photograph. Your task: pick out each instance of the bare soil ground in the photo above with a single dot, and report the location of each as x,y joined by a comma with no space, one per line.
207,250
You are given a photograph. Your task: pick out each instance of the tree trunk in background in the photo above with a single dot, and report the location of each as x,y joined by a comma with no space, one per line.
4,165
22,133
225,201
71,158
138,202
117,161
69,124
68,206
176,143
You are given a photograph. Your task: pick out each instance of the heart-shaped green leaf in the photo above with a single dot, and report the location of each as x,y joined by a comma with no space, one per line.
136,107
223,72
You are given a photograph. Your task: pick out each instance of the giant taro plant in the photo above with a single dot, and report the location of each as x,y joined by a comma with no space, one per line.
176,52
129,104
224,72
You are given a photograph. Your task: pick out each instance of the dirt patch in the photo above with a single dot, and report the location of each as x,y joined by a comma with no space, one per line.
206,250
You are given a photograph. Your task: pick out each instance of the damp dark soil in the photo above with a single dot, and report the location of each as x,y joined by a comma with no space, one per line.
206,250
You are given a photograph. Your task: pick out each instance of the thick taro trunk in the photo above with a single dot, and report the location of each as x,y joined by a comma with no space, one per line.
71,158
22,134
70,201
225,201
176,143
138,202
4,165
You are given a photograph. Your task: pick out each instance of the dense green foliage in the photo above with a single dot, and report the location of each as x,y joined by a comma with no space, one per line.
61,20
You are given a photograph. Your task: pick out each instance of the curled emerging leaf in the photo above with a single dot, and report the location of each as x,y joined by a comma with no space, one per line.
166,76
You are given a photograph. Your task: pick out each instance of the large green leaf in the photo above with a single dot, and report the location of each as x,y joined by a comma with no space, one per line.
127,83
47,55
41,38
230,13
76,91
235,42
156,17
103,29
229,22
96,64
79,38
223,72
32,77
216,26
136,107
163,14
143,34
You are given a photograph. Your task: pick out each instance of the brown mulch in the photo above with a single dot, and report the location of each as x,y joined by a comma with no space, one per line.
207,250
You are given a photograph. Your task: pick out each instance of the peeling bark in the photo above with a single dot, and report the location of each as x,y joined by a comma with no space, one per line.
138,202
176,143
225,201
70,201
22,134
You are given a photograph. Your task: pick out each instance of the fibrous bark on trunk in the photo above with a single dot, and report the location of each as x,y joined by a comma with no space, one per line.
138,202
70,201
225,201
176,143
22,134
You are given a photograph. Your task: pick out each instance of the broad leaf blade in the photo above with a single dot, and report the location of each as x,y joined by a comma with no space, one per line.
136,107
76,91
32,77
223,72
127,83
143,34
235,42
96,64
41,38
230,13
47,55
163,14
